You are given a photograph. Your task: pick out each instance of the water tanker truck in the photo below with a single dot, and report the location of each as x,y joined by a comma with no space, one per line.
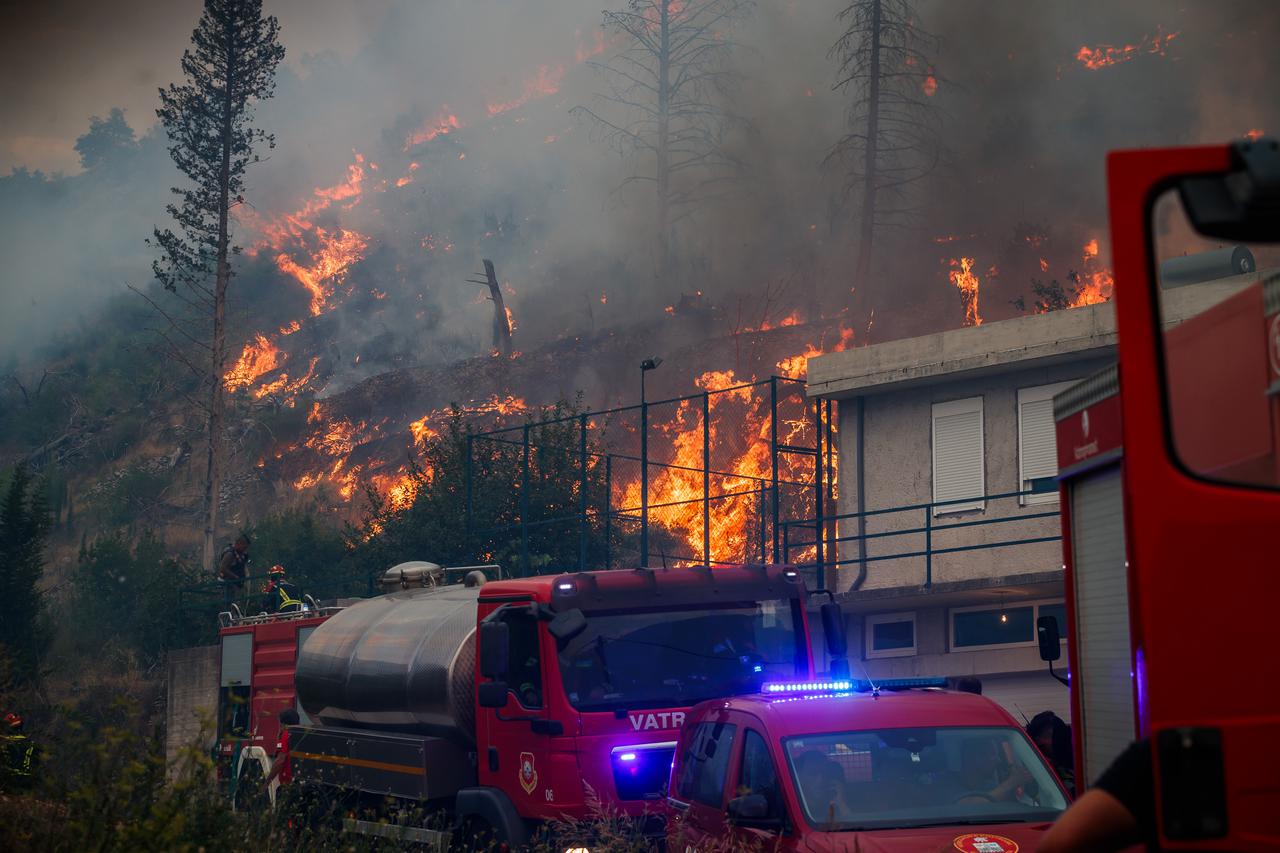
505,704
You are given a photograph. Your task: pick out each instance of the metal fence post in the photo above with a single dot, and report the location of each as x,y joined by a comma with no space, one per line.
582,496
608,511
706,479
644,479
524,507
820,525
764,557
773,442
470,505
928,546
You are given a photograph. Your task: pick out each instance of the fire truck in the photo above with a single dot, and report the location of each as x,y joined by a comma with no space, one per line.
257,654
1169,468
835,765
506,704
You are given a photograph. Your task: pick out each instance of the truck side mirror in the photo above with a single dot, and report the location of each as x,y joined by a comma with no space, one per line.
752,810
567,625
492,694
494,640
1047,633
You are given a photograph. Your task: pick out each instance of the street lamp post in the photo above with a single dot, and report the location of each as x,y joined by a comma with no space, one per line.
645,366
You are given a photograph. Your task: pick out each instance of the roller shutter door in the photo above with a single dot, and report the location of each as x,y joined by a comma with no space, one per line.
1103,677
1026,695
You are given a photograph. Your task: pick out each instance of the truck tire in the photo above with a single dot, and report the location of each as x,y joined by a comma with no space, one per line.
487,820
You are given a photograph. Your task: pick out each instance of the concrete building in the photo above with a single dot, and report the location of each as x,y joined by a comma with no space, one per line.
948,531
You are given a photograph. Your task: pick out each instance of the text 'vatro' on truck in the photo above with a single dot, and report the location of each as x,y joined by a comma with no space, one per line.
502,705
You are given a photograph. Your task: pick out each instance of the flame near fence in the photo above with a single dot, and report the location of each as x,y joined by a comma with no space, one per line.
709,479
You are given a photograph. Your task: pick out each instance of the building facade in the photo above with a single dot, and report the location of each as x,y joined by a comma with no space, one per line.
947,537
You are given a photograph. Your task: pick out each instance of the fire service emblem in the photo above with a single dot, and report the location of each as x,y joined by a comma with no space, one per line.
528,774
985,844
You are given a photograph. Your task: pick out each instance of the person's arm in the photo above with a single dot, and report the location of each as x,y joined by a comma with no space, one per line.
1095,822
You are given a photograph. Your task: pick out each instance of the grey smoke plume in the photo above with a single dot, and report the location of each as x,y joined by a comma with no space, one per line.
1027,125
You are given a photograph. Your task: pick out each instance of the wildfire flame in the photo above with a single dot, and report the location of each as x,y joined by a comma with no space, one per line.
1105,55
328,266
1095,285
930,86
442,123
546,81
966,281
259,357
1254,134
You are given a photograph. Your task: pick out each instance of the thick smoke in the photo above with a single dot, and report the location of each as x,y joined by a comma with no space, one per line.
1026,126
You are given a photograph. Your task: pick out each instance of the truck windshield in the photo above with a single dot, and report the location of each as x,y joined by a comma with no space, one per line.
665,658
900,778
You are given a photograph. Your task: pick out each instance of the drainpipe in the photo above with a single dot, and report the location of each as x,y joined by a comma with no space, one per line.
862,497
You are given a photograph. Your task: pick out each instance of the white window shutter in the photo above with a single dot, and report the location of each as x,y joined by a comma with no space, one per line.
959,469
1037,439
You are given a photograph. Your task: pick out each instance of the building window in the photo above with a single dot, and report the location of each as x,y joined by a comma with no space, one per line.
891,635
959,470
987,627
1037,444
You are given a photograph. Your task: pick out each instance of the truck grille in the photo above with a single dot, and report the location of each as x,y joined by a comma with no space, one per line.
641,772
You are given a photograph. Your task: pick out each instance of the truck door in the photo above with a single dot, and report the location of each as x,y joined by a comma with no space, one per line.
756,776
1197,278
701,790
516,758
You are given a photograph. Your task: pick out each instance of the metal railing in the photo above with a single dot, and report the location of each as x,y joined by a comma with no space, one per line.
725,471
933,524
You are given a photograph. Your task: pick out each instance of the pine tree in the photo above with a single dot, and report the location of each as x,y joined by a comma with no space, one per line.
24,524
208,118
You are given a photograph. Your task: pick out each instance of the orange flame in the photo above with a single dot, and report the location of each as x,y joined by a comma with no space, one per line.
1105,55
1254,134
328,267
930,86
966,281
546,81
442,123
260,356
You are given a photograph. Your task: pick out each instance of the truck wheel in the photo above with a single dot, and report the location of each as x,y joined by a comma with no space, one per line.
475,835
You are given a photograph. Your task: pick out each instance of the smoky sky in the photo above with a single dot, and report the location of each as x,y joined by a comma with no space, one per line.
1026,128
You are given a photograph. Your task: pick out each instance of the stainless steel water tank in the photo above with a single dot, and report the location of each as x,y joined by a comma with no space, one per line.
399,662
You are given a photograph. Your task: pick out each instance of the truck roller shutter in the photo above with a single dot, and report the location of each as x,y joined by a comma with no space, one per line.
1102,619
1028,694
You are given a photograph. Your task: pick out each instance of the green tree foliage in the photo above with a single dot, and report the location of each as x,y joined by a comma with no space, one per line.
208,118
434,526
1051,296
127,595
24,524
313,552
107,140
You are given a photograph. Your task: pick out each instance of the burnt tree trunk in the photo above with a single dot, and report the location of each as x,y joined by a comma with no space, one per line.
501,324
866,235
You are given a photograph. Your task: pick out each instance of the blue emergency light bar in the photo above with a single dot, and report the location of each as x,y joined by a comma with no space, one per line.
849,685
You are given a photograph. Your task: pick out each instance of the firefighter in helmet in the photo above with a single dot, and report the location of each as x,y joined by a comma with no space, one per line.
19,755
280,596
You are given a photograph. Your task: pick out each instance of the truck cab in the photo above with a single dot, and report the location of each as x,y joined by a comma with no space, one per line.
848,765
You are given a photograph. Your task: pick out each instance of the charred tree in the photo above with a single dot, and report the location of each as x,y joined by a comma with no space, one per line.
664,100
501,317
894,137
230,65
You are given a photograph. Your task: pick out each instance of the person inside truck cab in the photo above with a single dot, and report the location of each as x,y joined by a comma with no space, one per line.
986,776
822,784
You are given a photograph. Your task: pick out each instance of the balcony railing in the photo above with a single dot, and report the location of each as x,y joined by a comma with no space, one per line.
922,531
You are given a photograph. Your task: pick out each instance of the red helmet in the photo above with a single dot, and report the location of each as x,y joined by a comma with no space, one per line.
13,721
277,569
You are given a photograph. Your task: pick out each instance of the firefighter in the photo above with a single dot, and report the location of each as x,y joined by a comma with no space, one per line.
233,568
20,754
280,596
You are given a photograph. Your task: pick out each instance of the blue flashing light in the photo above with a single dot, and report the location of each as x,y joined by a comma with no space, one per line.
757,668
627,756
565,586
777,687
854,685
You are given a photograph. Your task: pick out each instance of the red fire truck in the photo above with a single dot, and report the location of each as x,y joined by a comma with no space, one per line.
850,765
257,655
1169,472
513,702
